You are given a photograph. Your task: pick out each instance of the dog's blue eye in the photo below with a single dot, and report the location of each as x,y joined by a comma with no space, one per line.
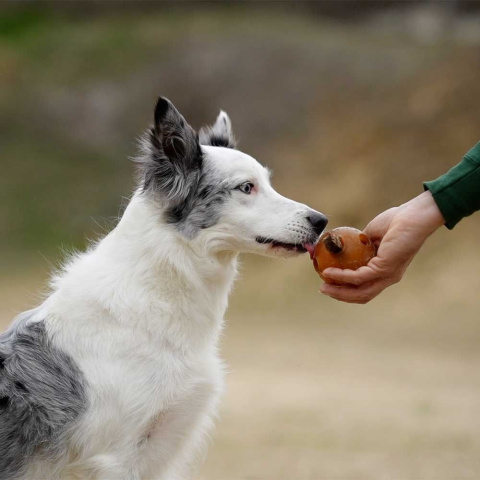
246,187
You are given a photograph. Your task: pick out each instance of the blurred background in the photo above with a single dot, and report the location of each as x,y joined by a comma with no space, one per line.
352,105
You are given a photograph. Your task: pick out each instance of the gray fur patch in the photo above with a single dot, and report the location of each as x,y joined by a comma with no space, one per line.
171,159
42,394
203,207
172,167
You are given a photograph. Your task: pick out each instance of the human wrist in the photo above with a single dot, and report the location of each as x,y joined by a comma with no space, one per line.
424,208
456,192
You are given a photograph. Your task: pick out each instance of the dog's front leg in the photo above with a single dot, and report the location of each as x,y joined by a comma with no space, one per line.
175,446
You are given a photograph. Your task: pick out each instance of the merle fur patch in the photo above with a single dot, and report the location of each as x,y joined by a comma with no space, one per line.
171,161
42,394
202,208
172,167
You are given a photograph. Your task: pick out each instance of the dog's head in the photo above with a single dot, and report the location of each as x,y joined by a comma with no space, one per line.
211,192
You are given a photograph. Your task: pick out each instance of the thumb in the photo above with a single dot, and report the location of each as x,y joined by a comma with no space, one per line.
379,226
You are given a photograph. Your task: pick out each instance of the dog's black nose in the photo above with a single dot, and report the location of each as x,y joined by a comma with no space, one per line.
318,221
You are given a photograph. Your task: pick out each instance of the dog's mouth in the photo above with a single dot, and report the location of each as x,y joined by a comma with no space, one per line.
292,247
310,247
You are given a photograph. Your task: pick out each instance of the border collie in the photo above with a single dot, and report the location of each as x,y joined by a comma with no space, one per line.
116,375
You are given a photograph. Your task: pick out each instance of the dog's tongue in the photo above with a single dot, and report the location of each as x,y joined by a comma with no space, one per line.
310,249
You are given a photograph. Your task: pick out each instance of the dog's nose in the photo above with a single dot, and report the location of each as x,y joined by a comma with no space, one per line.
318,221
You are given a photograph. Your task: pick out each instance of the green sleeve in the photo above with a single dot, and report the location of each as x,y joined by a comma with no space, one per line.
457,193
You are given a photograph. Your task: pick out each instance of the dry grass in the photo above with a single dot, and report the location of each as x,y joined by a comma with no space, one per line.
326,391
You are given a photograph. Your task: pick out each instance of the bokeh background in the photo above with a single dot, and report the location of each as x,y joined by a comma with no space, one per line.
353,105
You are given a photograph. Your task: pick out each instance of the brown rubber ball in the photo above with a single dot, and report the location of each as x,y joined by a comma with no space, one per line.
343,247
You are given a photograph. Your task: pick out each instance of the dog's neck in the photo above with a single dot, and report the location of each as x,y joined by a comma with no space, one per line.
145,235
144,273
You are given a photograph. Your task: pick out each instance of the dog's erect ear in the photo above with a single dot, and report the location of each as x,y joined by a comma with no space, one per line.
219,134
172,157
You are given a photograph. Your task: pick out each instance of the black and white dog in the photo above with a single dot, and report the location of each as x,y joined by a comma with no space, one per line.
116,375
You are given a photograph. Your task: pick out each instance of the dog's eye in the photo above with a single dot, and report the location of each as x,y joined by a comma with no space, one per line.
246,187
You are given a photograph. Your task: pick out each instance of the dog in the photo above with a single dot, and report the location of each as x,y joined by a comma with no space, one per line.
116,375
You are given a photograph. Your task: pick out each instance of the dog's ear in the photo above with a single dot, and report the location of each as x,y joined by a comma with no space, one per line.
220,134
172,156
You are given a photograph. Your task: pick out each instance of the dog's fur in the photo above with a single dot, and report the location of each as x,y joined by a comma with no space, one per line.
116,375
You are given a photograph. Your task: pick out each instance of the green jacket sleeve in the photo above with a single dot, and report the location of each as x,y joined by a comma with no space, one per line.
457,193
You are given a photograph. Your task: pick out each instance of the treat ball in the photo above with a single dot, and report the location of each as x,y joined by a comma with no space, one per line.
343,247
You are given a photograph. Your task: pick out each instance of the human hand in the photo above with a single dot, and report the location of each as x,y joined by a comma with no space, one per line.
398,234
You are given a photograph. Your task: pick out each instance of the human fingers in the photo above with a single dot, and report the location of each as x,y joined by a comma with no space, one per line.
352,277
379,226
352,294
